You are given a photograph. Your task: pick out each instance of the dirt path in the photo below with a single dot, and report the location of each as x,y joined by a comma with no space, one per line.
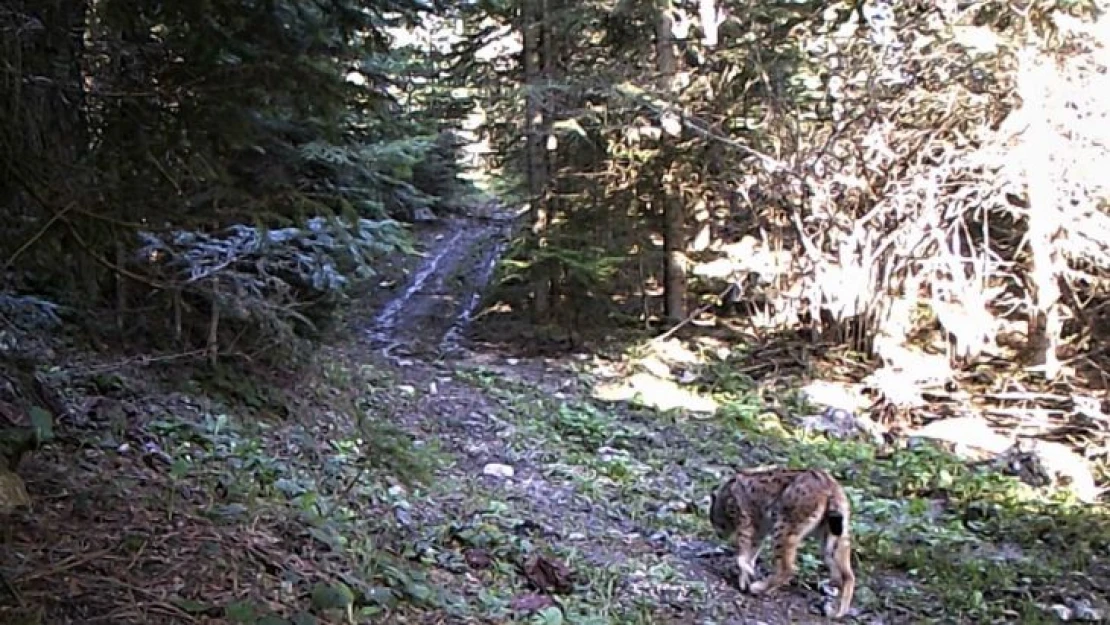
428,313
516,447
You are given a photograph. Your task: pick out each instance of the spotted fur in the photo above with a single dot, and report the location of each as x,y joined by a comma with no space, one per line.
788,505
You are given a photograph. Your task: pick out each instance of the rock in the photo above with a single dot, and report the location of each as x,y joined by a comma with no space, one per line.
1043,463
1061,612
498,470
13,493
843,424
423,216
1075,610
548,574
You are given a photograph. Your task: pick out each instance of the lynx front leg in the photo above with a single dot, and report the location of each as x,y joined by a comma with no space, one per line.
746,554
786,555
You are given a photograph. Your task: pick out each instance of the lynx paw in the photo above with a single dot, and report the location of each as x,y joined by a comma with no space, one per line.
759,587
833,609
747,574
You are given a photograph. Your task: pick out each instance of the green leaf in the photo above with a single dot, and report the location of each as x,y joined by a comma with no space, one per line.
418,592
550,615
179,468
335,596
42,422
192,607
241,612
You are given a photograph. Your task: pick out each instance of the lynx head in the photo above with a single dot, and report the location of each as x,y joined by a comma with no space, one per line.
719,509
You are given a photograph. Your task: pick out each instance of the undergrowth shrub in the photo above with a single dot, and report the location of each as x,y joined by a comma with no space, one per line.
248,288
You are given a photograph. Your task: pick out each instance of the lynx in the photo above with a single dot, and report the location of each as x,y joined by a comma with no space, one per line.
790,504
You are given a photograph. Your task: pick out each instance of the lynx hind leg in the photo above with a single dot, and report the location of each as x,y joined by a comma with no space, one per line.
838,557
837,548
789,532
828,544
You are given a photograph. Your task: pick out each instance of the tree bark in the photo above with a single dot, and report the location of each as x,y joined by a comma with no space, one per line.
675,269
1040,142
674,213
532,22
710,22
43,105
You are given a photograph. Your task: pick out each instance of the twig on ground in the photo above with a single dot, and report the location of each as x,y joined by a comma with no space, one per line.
681,324
12,590
69,563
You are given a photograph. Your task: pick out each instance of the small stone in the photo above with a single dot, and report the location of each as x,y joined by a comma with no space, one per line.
403,517
423,215
1062,612
1082,610
13,492
498,470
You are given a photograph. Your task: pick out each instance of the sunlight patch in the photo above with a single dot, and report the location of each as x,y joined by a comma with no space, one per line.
654,392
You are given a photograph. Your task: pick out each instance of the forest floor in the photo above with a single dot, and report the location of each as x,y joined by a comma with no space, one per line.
412,476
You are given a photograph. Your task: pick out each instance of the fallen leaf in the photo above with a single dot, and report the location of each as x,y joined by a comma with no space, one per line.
531,602
477,558
548,574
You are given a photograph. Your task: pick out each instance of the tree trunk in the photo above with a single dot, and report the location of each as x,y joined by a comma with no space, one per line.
532,21
43,105
674,274
674,213
1044,215
710,22
664,45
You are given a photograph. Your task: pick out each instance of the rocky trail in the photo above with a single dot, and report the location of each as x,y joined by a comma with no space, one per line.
228,500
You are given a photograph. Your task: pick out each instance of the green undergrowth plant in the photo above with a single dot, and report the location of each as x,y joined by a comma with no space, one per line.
338,475
936,536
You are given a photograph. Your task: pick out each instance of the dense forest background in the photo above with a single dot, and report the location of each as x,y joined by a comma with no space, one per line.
216,174
911,195
210,175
